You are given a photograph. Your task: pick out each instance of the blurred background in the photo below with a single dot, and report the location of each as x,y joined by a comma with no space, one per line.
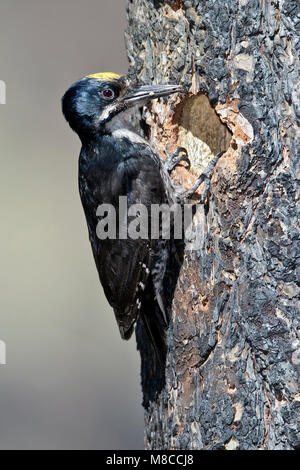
69,382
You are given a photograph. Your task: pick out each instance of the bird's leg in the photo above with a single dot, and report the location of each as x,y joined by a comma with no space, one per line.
180,155
204,177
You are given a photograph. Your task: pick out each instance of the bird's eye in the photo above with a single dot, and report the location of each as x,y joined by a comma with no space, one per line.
108,94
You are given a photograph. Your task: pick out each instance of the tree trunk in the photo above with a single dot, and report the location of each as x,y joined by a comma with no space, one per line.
230,380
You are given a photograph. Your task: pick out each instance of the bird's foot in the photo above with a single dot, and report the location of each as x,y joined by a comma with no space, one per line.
180,155
204,177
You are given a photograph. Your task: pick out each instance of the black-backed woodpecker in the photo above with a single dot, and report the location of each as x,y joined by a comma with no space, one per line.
116,161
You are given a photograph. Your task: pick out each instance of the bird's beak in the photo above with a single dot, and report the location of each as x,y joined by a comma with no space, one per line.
142,94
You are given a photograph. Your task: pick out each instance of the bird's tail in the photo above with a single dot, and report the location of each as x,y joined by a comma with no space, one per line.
155,326
157,342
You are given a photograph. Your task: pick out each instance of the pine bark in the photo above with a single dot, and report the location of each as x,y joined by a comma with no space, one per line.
231,379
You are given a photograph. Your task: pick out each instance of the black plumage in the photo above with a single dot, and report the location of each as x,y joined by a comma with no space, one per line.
115,161
121,168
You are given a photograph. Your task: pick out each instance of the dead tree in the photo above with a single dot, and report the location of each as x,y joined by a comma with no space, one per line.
230,380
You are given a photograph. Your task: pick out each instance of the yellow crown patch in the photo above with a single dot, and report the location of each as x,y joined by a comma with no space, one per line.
103,77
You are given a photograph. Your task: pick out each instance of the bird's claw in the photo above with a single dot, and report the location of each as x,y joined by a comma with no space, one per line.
180,155
204,177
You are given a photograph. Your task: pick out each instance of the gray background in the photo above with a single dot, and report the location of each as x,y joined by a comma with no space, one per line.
69,381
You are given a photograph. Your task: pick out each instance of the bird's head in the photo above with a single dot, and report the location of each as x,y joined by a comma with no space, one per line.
94,100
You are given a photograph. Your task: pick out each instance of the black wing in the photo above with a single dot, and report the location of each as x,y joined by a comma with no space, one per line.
124,266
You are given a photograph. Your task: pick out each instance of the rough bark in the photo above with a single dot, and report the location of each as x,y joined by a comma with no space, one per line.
230,380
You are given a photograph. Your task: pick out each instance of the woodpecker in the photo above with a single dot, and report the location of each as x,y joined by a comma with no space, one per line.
116,161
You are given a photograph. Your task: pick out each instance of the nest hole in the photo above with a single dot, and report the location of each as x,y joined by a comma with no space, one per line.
201,131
